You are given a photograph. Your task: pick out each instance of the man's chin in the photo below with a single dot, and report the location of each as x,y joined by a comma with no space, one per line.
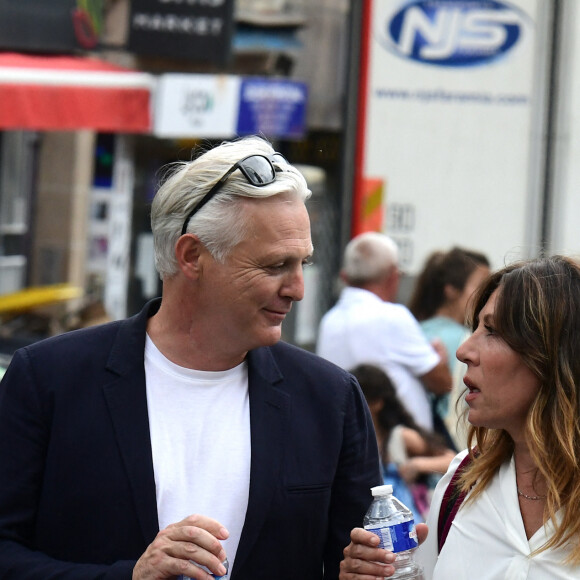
272,336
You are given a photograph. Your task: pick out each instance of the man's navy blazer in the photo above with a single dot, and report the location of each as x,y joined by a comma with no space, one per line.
77,490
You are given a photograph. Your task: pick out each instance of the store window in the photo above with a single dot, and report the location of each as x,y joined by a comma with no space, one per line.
17,154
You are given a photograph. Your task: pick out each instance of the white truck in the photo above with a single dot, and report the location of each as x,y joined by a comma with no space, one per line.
468,129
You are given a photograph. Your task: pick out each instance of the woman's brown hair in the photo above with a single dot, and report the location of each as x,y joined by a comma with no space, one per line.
537,314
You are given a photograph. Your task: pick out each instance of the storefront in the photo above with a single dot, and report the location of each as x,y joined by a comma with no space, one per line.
51,107
82,141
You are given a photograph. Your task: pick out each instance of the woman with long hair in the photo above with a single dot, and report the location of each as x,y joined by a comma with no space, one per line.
439,302
508,506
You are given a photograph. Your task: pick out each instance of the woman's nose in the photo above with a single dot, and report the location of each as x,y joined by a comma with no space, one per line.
465,351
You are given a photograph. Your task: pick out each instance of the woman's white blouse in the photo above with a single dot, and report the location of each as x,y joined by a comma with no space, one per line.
487,540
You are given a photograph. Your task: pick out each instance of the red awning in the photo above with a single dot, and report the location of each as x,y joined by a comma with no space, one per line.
60,93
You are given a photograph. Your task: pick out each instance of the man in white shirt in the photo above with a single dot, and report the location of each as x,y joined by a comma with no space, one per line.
366,326
189,434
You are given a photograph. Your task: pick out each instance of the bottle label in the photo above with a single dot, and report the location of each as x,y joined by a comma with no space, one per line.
396,538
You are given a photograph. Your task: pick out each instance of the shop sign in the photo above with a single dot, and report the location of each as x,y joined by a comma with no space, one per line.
190,105
199,30
223,106
276,108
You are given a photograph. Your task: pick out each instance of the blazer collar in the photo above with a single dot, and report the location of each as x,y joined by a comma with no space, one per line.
126,398
269,412
127,401
127,353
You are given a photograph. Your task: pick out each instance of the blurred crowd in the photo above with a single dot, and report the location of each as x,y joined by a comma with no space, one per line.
404,357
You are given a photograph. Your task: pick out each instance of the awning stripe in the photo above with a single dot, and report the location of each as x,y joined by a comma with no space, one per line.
62,93
77,78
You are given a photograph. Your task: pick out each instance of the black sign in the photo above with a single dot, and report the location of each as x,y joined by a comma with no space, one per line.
50,25
199,30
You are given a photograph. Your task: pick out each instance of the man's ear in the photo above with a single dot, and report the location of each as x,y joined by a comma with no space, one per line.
188,250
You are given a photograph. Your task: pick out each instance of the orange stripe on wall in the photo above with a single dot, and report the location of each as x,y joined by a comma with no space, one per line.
371,206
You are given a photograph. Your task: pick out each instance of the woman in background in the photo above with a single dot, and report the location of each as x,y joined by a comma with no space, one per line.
439,302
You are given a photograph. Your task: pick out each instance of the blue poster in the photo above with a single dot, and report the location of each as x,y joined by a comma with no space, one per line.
275,108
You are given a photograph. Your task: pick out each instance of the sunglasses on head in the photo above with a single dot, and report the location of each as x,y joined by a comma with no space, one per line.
258,169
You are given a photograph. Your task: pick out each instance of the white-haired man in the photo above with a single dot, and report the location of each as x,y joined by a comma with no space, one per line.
367,326
189,433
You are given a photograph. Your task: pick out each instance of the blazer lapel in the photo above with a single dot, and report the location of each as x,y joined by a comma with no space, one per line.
127,402
269,407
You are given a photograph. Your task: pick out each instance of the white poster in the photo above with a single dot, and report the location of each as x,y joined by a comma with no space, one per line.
451,116
196,105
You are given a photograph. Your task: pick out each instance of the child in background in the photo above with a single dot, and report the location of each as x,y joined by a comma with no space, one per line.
412,459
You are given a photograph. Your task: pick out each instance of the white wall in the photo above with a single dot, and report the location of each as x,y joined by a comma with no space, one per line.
565,222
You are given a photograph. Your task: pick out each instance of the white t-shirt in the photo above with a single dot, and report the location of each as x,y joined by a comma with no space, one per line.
200,438
362,328
487,539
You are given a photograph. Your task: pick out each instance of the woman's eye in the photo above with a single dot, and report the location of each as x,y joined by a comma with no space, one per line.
489,329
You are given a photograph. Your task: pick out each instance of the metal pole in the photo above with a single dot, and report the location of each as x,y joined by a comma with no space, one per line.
552,104
351,120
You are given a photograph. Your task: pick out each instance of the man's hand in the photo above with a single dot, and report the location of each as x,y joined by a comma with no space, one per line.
364,561
194,539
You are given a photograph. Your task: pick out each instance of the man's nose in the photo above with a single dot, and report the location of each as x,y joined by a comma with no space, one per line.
294,284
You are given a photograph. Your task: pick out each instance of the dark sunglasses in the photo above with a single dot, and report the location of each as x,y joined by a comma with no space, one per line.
258,169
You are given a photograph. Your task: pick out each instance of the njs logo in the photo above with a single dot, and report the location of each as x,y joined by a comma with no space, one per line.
454,32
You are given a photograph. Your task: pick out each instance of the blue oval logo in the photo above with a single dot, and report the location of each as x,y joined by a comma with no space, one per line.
455,33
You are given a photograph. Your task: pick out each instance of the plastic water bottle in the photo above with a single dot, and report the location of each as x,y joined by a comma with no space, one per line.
393,523
224,577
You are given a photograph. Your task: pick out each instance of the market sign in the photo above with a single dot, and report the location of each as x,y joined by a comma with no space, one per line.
197,30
